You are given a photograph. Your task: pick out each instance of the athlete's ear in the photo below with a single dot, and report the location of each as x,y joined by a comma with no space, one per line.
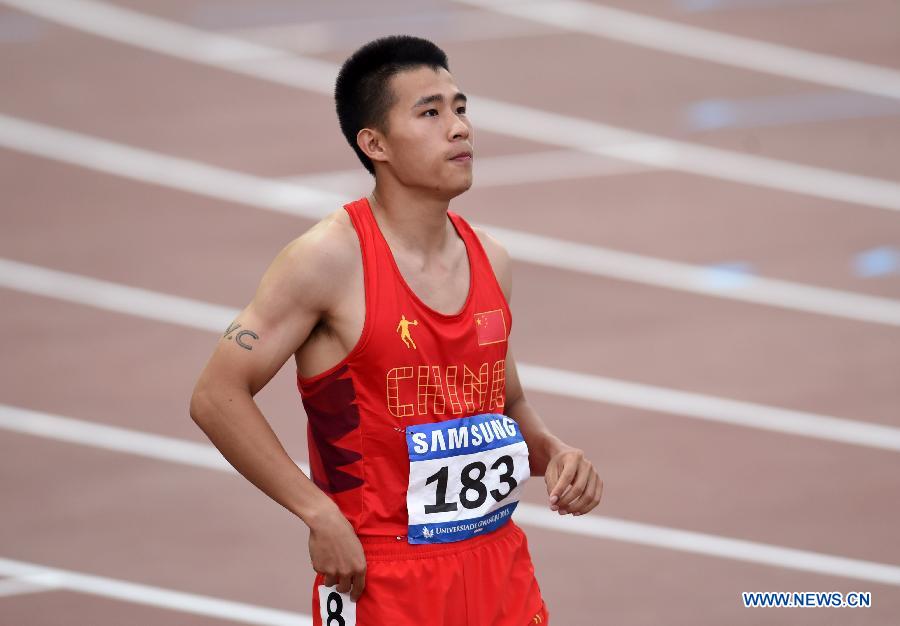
372,143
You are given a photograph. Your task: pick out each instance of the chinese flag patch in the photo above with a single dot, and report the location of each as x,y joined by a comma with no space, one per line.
490,327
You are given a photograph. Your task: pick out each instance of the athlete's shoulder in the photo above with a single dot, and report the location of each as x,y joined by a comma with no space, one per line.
322,259
328,244
499,257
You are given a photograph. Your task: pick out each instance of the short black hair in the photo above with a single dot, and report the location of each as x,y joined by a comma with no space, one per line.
362,93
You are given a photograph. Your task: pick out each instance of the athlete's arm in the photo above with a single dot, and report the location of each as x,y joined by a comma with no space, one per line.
573,484
295,292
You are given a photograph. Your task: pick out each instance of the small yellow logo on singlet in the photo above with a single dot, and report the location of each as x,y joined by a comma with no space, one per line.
537,619
403,329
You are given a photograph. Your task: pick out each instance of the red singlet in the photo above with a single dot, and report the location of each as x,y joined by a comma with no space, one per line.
413,365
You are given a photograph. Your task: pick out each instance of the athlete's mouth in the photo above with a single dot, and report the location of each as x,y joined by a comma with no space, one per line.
462,157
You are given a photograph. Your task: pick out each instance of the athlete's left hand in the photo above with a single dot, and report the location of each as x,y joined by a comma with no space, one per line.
572,482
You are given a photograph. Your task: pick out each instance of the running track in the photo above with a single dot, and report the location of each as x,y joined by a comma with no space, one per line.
707,293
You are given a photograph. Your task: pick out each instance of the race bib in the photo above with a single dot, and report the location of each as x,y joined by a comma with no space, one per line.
465,476
336,608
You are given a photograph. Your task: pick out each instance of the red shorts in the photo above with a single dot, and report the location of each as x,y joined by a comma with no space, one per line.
487,580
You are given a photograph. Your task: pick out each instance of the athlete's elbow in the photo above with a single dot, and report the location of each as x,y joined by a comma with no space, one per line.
200,404
203,401
211,400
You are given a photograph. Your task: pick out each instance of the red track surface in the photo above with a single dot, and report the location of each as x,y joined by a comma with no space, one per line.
81,508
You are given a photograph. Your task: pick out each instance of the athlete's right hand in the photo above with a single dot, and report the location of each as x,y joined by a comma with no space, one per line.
336,552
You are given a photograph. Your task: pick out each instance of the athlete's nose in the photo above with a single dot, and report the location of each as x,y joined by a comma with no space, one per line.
460,130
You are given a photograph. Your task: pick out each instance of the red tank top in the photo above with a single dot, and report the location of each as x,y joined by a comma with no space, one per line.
411,365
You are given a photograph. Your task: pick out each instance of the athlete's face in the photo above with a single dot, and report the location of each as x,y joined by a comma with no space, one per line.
427,128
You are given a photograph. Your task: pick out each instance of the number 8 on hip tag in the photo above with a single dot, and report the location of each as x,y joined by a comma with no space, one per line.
336,608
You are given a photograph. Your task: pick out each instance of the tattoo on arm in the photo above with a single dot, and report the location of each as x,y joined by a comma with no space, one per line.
239,337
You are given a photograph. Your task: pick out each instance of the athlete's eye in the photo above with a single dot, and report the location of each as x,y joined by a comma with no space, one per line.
430,111
461,110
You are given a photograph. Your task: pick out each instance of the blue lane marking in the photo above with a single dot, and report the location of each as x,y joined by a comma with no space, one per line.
712,114
16,28
877,262
700,6
780,110
732,275
225,15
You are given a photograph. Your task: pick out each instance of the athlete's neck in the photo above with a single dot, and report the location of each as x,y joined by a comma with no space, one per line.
414,221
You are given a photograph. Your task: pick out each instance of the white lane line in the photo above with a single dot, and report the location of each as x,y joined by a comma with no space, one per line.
700,43
117,439
71,430
155,596
601,527
137,29
711,545
653,151
647,270
444,25
102,294
159,169
492,171
142,303
293,199
185,42
32,583
710,408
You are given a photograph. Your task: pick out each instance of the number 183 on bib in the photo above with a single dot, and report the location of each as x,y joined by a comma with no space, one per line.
465,476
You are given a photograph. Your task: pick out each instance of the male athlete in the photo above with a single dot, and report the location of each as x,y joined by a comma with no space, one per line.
397,314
